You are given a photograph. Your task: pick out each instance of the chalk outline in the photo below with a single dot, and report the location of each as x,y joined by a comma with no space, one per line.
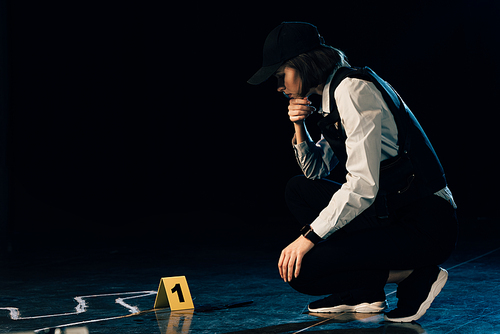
82,307
120,301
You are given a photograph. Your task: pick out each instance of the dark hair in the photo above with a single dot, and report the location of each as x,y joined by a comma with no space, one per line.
315,66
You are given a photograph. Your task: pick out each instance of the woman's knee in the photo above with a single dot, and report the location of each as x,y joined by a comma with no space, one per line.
304,286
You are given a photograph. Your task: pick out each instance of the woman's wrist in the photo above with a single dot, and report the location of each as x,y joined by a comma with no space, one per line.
309,234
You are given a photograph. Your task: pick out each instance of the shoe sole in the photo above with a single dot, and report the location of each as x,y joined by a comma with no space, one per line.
435,290
375,307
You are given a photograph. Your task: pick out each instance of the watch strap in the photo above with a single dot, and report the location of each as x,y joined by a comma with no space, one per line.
308,233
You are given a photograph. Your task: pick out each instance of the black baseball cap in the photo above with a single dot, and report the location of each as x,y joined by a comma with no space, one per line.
285,42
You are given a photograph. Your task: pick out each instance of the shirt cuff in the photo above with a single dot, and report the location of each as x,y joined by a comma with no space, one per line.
321,228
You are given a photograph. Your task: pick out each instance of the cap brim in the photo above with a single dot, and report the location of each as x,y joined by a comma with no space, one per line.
263,74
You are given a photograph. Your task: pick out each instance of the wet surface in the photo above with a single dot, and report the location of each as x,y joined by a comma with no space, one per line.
111,290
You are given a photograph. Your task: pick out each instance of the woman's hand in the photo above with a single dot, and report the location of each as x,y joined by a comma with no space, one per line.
291,257
300,109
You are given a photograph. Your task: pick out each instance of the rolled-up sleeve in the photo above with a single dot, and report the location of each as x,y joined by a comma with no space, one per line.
360,108
315,159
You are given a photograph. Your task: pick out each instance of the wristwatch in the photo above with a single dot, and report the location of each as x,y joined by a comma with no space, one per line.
308,233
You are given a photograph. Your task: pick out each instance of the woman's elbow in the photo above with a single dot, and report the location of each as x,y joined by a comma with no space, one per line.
315,174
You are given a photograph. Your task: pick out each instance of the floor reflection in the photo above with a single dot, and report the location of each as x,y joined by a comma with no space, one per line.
324,319
176,322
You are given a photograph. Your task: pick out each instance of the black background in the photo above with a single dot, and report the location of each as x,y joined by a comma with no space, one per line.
136,116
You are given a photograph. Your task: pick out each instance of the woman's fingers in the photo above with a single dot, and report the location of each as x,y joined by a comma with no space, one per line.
291,258
300,109
287,263
298,264
280,264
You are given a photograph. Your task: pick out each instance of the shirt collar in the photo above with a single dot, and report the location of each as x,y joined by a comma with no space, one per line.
325,102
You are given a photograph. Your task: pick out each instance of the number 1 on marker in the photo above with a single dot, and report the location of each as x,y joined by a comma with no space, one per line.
177,288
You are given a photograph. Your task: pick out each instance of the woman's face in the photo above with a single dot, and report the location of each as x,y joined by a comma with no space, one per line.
289,82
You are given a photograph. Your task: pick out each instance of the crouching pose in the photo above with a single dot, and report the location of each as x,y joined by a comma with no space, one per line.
393,220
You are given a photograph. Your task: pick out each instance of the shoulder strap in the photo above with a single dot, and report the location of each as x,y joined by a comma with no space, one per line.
390,96
341,74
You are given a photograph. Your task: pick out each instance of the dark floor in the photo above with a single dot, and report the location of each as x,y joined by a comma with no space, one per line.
95,289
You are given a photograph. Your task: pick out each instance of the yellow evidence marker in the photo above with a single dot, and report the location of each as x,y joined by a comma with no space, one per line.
174,292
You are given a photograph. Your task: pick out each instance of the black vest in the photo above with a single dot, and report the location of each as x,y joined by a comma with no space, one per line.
411,175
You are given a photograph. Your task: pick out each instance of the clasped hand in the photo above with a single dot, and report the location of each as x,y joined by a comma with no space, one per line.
300,109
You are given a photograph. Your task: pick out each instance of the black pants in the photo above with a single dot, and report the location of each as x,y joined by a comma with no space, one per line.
361,254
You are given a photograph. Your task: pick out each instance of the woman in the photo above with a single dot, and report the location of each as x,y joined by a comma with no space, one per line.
393,220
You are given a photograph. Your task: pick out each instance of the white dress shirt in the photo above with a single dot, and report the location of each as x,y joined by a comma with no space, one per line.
372,136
